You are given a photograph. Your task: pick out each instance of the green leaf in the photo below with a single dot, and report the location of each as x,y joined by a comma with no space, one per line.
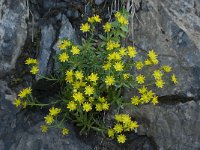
101,37
123,35
124,28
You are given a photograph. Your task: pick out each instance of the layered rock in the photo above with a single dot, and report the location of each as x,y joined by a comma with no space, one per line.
172,28
13,31
173,127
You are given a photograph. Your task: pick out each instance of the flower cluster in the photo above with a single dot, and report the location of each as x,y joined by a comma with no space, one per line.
34,65
93,76
123,124
22,96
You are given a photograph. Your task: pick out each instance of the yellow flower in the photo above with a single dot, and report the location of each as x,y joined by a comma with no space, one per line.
144,98
118,128
111,133
107,27
105,106
155,100
54,111
96,18
159,83
121,138
114,56
85,27
117,14
89,90
132,52
31,61
111,56
147,62
118,66
153,56
71,106
121,19
65,131
116,44
63,44
110,45
126,119
157,74
75,50
17,102
34,70
117,56
69,76
122,51
126,76
63,57
118,117
167,68
174,79
79,75
135,100
139,65
23,93
101,99
140,79
78,97
93,77
90,19
69,73
107,66
110,80
77,84
49,119
150,94
99,107
142,90
87,107
133,125
44,128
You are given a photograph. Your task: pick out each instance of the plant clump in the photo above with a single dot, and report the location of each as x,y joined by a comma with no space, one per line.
94,74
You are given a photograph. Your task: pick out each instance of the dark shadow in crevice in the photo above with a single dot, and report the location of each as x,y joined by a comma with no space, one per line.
44,90
174,99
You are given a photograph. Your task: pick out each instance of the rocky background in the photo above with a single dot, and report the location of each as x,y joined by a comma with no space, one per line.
31,28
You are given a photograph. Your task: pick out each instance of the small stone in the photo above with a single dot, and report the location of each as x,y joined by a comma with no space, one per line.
99,2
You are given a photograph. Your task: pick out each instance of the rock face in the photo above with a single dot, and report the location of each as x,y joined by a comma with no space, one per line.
13,32
50,39
21,131
171,126
172,28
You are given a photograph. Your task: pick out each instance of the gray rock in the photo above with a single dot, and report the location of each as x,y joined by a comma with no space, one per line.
20,130
13,32
171,126
99,2
51,4
66,31
47,39
33,139
172,28
49,43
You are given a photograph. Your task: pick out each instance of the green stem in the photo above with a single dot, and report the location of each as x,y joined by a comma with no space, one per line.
33,104
43,77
